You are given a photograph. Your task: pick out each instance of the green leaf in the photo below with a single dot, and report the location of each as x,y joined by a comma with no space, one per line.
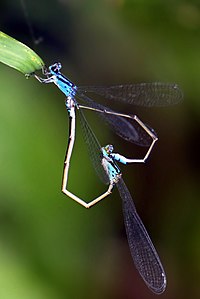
18,56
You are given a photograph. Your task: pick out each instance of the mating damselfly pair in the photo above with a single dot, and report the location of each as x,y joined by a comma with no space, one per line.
130,128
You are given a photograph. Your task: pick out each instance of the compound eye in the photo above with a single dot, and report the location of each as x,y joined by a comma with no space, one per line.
59,66
110,148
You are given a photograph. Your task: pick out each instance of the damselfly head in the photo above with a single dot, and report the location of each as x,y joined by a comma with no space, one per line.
55,68
109,148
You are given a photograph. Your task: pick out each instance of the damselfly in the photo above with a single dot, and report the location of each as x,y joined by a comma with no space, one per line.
145,94
142,250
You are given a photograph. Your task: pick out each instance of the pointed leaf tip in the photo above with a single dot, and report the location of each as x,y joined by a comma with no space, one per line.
18,56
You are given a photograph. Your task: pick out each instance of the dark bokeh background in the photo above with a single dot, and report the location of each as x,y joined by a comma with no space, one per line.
50,247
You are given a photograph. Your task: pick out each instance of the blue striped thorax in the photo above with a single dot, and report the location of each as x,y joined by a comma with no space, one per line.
111,168
63,83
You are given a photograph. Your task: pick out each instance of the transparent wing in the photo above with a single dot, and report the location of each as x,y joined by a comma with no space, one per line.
94,148
126,129
142,250
142,94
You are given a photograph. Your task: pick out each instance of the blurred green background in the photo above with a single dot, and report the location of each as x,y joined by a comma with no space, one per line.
50,247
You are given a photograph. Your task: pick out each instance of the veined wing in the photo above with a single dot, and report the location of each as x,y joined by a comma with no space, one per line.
142,250
141,94
94,148
123,127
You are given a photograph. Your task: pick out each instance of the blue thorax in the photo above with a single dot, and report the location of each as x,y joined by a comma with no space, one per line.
63,83
110,166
